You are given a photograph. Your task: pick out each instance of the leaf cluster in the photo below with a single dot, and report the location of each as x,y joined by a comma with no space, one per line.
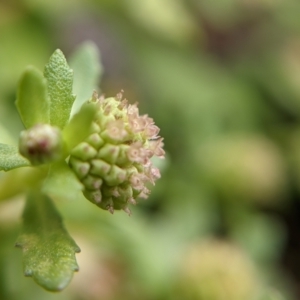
48,98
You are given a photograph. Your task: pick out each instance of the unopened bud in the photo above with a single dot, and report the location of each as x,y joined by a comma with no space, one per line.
41,144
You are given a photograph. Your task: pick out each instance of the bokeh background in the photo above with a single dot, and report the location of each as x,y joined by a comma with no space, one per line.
222,80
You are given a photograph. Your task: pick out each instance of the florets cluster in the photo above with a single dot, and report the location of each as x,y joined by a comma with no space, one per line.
114,162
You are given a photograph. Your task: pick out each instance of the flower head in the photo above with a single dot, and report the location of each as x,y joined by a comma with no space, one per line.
114,163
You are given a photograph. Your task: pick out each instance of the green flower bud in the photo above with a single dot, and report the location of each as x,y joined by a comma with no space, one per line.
113,163
81,168
100,167
109,153
84,151
92,182
95,140
41,144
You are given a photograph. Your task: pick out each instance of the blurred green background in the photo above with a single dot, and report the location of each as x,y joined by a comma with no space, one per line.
222,80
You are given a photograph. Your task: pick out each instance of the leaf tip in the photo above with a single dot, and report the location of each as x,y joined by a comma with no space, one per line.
18,245
76,269
77,249
28,273
58,52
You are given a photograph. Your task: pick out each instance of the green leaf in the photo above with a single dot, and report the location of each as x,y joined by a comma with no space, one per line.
20,180
87,72
79,126
32,99
5,136
48,249
10,158
61,183
60,81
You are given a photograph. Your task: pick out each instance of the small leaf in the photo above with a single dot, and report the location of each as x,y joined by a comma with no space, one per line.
32,99
20,180
60,81
10,158
79,126
87,72
48,249
5,136
61,183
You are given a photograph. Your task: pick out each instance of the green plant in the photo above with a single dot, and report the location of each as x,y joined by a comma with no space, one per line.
99,146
